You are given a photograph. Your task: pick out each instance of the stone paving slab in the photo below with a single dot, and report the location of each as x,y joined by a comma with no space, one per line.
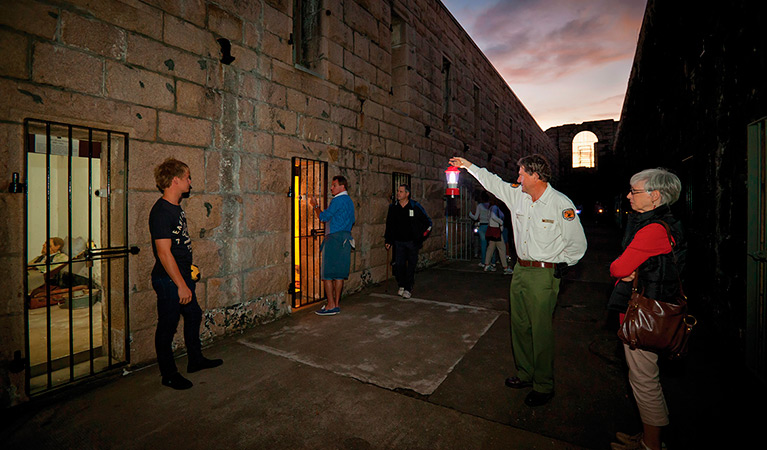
381,339
256,400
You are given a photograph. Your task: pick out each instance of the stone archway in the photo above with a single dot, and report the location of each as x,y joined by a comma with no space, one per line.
579,182
584,150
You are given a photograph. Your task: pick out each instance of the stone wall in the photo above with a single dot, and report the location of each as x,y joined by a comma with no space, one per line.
697,82
373,104
580,183
562,137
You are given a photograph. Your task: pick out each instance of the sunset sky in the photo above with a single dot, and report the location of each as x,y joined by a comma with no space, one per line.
567,60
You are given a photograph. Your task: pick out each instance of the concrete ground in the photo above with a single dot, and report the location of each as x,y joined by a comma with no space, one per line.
389,373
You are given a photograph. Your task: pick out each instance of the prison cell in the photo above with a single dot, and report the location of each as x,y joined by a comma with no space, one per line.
309,181
76,304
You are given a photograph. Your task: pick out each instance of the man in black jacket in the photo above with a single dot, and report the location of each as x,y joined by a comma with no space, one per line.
407,226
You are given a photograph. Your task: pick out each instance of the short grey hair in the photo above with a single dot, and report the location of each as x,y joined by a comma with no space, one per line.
660,180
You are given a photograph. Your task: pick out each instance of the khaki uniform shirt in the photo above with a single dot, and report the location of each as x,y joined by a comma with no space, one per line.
547,229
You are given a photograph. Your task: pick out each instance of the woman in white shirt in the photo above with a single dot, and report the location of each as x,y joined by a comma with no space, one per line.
495,241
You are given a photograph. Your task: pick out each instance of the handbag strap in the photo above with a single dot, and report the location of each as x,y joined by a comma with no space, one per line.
670,237
673,254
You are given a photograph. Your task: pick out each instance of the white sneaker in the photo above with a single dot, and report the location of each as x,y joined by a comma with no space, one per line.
400,291
489,268
481,264
406,294
508,271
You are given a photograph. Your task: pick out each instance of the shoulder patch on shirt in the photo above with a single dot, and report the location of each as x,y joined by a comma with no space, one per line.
515,185
568,214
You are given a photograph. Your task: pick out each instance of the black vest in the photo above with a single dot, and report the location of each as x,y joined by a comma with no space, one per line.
659,276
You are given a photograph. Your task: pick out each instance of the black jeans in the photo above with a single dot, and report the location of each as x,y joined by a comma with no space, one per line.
169,310
405,260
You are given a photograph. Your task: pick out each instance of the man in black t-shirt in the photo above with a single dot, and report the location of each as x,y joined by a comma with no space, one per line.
172,277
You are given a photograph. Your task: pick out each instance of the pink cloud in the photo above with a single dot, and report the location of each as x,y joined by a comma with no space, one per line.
546,39
567,60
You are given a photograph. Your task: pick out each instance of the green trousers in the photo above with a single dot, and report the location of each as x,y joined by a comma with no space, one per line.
532,299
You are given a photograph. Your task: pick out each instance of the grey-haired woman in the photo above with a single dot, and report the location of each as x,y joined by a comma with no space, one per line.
656,258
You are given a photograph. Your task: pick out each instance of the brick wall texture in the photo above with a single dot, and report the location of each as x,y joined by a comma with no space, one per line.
374,104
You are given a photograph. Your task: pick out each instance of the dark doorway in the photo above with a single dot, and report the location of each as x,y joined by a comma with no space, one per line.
756,259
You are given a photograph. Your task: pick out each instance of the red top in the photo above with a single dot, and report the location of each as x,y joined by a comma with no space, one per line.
651,240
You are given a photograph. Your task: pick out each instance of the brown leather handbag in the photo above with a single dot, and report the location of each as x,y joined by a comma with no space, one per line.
657,326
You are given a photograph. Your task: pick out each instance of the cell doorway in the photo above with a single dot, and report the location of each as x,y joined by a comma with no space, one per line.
76,309
309,182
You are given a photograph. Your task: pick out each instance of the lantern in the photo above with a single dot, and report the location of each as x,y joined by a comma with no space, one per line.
452,174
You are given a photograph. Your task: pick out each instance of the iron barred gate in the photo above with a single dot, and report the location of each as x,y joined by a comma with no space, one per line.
310,180
459,228
76,286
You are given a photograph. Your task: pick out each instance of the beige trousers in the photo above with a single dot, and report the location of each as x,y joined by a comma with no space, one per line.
501,246
644,377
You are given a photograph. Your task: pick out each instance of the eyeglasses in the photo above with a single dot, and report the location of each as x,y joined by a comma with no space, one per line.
637,191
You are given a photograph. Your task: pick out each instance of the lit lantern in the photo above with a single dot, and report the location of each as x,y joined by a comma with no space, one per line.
452,174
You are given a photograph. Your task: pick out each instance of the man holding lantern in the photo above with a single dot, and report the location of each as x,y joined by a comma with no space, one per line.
548,237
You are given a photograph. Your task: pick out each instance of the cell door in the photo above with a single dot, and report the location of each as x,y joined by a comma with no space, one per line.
310,180
76,284
756,248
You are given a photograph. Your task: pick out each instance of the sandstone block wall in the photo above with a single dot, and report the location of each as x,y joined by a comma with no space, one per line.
373,105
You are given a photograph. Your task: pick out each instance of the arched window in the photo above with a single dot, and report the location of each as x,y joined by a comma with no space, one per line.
583,149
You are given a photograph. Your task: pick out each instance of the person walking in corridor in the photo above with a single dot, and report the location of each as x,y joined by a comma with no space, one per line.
495,239
337,246
407,226
172,276
548,237
482,216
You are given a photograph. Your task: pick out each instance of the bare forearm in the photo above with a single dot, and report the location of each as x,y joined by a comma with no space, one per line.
171,268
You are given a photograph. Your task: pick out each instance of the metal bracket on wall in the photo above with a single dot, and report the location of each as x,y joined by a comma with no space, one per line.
16,187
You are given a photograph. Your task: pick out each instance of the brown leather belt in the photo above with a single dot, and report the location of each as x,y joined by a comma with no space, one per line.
540,264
